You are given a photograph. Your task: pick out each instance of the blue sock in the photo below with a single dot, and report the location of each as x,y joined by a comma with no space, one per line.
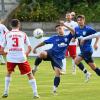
56,81
97,70
37,61
81,66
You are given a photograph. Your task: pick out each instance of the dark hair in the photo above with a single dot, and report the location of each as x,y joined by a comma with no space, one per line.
57,25
81,16
15,22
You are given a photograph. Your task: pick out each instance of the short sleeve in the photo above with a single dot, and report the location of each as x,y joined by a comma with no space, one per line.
92,31
50,40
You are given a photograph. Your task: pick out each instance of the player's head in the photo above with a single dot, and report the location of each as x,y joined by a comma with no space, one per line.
72,15
15,23
81,20
68,16
59,29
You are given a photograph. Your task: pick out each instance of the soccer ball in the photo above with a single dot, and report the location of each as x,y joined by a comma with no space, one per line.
38,33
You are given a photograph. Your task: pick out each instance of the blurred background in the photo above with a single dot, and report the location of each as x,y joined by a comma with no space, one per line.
45,14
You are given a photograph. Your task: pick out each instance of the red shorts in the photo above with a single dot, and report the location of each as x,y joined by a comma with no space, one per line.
71,50
23,67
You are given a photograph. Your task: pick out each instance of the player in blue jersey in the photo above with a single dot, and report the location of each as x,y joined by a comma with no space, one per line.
86,49
56,53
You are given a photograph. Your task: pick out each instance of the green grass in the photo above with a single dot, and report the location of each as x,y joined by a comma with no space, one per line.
72,87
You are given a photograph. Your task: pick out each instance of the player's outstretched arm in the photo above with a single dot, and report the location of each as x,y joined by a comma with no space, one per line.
39,45
68,27
2,52
96,35
91,36
96,43
28,50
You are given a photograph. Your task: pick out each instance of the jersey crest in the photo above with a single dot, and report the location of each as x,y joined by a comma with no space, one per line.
84,33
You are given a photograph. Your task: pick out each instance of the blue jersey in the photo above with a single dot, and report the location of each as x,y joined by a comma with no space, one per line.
83,32
60,43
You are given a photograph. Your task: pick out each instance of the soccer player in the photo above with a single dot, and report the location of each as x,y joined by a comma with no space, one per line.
3,30
86,49
56,53
16,55
71,50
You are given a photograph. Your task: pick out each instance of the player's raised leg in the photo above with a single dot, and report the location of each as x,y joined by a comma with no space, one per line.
38,60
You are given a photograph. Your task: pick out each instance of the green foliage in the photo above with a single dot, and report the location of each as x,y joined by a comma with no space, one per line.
52,10
85,10
47,12
96,10
25,1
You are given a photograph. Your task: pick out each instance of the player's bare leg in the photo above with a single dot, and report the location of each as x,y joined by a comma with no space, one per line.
78,62
94,68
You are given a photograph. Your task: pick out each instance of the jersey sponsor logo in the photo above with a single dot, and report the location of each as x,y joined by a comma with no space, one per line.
15,49
62,45
57,40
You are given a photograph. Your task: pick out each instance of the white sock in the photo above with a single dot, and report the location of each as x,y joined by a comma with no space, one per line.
64,65
34,86
35,68
54,88
73,65
7,84
2,59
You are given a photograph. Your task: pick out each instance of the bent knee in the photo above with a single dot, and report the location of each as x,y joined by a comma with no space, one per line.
57,72
76,61
43,54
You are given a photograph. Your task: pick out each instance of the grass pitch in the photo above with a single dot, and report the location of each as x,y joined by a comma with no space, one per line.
72,87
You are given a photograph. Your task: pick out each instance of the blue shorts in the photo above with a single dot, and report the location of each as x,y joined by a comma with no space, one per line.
55,62
87,56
